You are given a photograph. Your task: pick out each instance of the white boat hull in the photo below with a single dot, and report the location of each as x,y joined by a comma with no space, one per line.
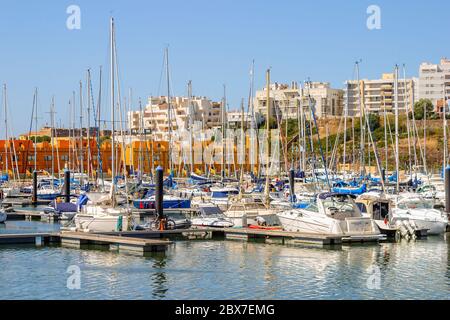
91,223
429,219
212,222
301,221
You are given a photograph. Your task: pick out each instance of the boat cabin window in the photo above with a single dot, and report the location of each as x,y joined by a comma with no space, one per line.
312,207
427,188
362,207
380,210
340,208
217,194
415,204
210,212
341,204
176,215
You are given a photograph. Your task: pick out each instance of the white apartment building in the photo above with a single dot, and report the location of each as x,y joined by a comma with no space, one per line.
434,82
374,96
234,119
286,99
155,117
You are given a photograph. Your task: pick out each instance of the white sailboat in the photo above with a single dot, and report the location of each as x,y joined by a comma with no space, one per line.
101,214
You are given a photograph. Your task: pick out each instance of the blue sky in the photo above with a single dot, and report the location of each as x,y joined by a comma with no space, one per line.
211,43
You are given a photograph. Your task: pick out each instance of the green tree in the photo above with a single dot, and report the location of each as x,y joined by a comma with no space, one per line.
273,123
40,139
374,121
422,105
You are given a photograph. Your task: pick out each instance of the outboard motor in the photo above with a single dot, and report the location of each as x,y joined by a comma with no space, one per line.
403,230
410,229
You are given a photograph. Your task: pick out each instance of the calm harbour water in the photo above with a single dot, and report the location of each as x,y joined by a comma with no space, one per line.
227,270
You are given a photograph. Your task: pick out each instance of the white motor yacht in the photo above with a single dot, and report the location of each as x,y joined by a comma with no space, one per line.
209,215
419,210
331,214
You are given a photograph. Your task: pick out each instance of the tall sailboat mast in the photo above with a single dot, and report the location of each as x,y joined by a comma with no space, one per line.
99,157
191,126
113,102
362,124
224,106
52,121
268,107
444,116
6,130
169,111
89,88
345,125
397,165
36,127
81,136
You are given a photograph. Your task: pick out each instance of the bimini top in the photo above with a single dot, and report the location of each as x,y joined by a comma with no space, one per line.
326,195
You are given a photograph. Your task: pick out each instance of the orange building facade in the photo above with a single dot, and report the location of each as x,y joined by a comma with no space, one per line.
19,156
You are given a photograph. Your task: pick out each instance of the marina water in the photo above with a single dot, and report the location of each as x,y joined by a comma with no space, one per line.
228,269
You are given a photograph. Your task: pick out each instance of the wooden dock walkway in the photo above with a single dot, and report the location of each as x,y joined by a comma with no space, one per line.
194,233
23,202
129,244
80,239
281,237
142,242
266,236
29,238
24,215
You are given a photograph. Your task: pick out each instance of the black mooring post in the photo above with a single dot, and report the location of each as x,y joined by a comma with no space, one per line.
35,187
292,184
447,190
159,193
67,185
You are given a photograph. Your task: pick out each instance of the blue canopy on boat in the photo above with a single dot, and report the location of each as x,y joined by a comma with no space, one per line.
351,191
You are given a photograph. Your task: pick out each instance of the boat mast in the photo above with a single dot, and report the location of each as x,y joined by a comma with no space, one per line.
444,116
99,157
141,138
253,127
130,107
425,136
169,111
397,166
113,148
224,106
345,125
52,121
36,128
268,145
241,177
6,130
89,88
81,136
303,131
191,126
362,125
75,139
